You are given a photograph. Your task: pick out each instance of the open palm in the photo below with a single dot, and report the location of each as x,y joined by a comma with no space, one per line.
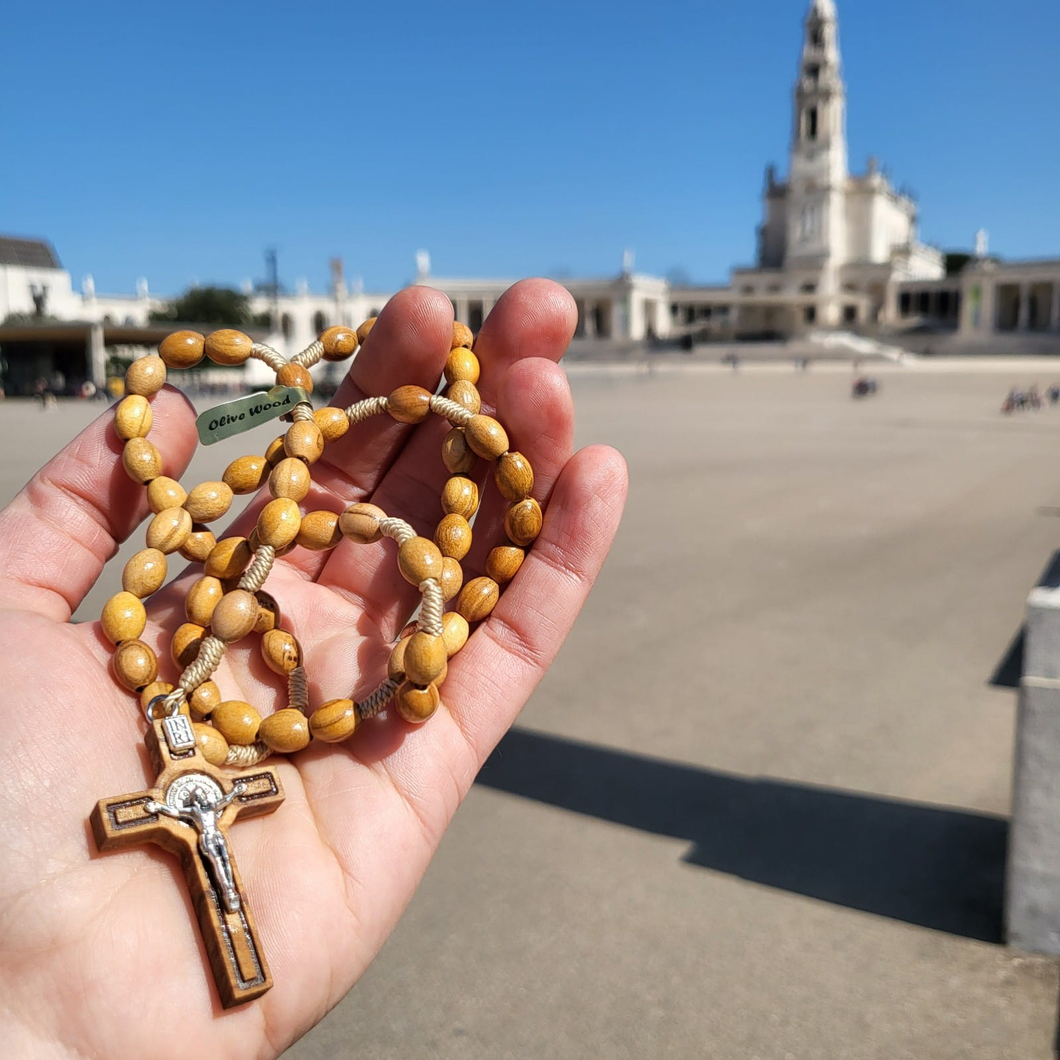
100,954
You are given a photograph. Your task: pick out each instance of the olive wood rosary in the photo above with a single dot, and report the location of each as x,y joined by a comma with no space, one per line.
191,731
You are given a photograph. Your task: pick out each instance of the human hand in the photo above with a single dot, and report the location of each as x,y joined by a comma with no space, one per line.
100,954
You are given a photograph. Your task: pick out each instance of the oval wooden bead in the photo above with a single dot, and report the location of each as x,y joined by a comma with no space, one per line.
333,422
453,536
228,558
462,335
275,452
456,453
365,330
285,731
409,404
419,559
292,374
486,437
124,617
281,651
416,705
452,577
478,598
424,658
319,531
200,543
304,440
503,562
514,476
234,616
205,699
460,496
290,478
455,632
168,530
360,523
201,600
395,665
246,474
145,376
228,346
164,493
153,691
182,349
278,522
209,501
236,721
144,573
212,744
268,612
132,417
186,642
333,721
461,364
135,664
142,460
338,342
522,521
465,393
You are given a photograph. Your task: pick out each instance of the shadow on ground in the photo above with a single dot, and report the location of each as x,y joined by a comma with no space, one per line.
1009,669
937,867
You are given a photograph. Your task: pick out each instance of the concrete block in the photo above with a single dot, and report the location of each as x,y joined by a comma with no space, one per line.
1041,652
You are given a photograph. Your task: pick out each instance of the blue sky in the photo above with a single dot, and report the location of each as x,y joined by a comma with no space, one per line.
178,141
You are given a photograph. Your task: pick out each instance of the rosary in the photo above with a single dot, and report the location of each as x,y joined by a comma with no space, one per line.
191,732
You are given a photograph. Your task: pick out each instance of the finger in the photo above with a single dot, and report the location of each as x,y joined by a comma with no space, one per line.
69,519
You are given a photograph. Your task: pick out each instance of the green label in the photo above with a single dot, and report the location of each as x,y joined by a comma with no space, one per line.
245,413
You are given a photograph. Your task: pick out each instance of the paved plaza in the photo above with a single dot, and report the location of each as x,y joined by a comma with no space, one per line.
758,806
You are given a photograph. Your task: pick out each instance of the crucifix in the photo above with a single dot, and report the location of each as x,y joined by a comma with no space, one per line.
187,812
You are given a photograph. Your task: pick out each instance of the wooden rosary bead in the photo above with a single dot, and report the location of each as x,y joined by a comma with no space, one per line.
228,346
228,558
201,600
416,705
522,521
205,699
338,343
268,612
290,478
395,665
304,440
514,476
168,530
234,616
123,618
424,658
135,664
200,543
186,642
144,573
486,437
360,523
503,563
255,543
319,531
455,632
456,453
409,404
182,349
461,364
281,651
419,559
212,744
365,330
333,422
478,598
462,335
153,691
132,417
246,474
460,496
209,501
236,721
142,460
465,393
145,376
333,721
278,522
451,578
285,731
275,452
453,536
164,493
295,375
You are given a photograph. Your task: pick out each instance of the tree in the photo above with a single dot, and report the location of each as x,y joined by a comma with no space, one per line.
207,305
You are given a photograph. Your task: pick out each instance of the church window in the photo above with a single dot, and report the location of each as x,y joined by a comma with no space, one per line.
905,303
320,323
811,123
747,290
817,35
850,314
809,314
808,288
474,315
813,73
923,302
286,325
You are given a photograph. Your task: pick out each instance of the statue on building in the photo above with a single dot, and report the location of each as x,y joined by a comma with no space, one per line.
982,243
423,265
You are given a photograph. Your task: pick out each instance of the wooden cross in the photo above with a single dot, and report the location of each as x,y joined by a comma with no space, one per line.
169,814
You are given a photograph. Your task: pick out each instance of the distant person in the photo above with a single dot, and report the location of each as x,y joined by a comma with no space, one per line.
1054,394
